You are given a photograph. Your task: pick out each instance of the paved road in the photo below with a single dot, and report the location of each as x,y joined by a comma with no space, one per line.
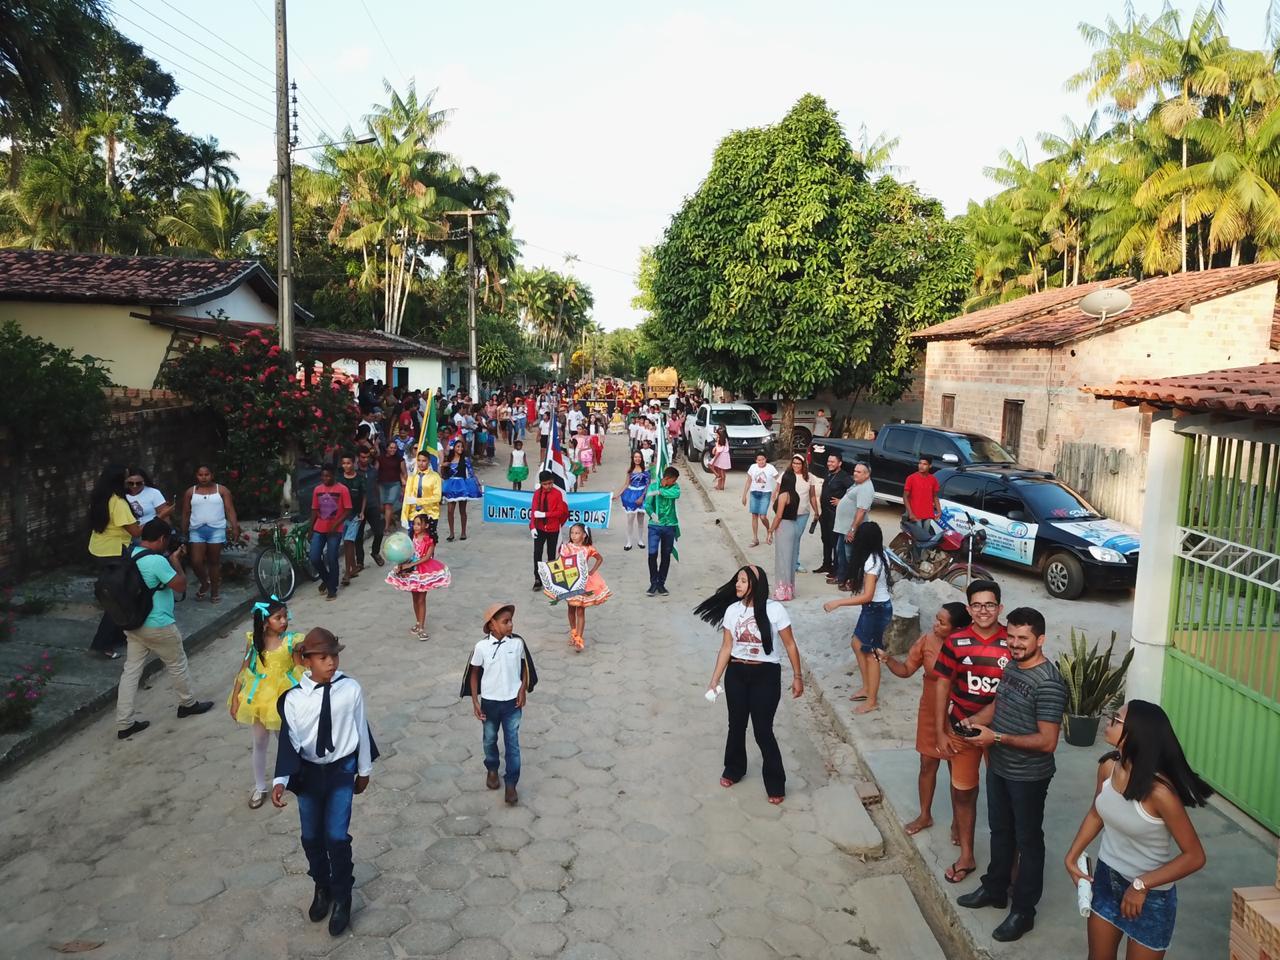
624,845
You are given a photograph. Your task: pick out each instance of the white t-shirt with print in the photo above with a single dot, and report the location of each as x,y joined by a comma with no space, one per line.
762,478
740,621
874,566
145,503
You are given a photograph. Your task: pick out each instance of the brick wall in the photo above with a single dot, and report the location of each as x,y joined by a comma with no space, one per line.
153,429
1231,331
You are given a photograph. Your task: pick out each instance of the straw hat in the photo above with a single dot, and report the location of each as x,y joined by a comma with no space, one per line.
493,610
319,640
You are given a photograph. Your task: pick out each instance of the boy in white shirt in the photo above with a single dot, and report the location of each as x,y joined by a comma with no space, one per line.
499,675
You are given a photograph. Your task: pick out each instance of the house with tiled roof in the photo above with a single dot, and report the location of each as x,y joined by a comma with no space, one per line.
1013,371
137,313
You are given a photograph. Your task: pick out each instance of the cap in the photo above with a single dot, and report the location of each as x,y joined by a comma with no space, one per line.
319,640
494,609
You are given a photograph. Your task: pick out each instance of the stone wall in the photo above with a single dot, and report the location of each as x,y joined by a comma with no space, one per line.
153,429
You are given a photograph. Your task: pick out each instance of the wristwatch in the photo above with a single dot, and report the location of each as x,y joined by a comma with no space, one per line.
1138,884
997,736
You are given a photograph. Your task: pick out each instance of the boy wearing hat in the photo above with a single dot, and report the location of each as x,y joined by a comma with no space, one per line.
499,675
325,755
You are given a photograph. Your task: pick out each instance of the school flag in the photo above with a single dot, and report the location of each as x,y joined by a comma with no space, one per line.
662,460
428,441
554,462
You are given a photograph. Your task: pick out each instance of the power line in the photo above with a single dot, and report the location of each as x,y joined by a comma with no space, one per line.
184,53
315,76
269,71
599,266
385,46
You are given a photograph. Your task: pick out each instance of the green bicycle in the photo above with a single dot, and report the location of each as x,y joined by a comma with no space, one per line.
279,562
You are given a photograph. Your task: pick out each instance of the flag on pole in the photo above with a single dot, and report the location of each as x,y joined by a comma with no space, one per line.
554,462
428,440
662,460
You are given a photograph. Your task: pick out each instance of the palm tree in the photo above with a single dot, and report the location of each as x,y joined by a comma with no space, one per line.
212,162
222,221
61,202
875,154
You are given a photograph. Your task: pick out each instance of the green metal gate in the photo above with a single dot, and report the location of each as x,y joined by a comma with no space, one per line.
1222,674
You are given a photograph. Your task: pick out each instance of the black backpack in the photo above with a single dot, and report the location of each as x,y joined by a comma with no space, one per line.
122,592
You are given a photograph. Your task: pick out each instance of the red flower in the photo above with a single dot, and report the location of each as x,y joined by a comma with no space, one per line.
274,351
280,424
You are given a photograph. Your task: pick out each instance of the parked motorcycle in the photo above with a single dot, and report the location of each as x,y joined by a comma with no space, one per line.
947,555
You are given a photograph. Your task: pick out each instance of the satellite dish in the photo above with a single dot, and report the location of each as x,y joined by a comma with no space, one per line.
1106,302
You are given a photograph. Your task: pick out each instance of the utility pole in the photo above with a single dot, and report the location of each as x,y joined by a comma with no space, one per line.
284,186
474,385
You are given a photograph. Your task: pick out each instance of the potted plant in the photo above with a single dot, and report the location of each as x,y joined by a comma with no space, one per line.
1093,685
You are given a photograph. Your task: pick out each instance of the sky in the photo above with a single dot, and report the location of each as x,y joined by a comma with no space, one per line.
602,117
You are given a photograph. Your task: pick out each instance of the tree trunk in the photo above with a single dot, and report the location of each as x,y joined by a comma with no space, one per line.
1235,254
786,432
1183,215
1075,270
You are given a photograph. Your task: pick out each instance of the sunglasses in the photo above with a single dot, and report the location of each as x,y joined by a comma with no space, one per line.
133,483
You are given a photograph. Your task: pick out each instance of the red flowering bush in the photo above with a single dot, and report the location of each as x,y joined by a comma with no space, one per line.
22,691
262,407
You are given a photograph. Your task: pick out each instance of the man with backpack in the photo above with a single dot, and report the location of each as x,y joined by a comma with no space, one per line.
146,585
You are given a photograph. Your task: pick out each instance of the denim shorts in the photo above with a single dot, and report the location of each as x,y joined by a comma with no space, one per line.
207,533
1153,927
759,502
390,493
872,623
350,528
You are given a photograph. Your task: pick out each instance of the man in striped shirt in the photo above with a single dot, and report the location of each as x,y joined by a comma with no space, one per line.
972,661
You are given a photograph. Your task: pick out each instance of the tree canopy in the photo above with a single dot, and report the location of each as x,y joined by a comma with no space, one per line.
789,271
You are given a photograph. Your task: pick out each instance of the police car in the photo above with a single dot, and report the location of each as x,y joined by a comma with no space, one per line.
1036,521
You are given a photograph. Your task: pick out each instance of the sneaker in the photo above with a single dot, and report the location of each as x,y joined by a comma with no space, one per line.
200,706
652,591
662,591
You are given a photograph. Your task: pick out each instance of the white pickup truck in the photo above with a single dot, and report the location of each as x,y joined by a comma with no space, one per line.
748,435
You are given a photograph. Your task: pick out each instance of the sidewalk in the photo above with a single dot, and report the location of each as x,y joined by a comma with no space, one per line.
1238,856
83,685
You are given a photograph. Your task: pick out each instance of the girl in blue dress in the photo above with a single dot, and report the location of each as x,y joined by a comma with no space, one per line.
458,484
632,496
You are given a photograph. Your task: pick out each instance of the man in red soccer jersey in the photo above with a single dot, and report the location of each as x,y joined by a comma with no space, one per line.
972,661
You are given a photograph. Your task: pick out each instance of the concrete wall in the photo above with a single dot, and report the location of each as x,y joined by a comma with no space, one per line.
242,304
131,348
1231,331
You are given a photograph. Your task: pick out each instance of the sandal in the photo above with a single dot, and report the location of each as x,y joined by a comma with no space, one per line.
215,598
956,873
202,592
449,539
726,782
755,543
776,800
379,561
257,798
346,581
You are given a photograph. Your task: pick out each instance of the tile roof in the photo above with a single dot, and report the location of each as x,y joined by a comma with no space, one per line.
98,278
1252,392
350,344
968,325
1151,298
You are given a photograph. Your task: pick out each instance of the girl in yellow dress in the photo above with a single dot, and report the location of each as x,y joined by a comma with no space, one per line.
597,592
269,669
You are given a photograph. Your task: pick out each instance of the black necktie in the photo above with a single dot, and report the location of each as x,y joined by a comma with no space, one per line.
324,734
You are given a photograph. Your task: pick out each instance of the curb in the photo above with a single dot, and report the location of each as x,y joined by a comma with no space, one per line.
934,903
40,742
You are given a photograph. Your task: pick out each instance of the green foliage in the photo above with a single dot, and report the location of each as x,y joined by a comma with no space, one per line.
262,406
788,272
1093,684
50,392
494,360
22,692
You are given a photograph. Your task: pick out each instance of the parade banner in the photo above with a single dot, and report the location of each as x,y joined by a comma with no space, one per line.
512,506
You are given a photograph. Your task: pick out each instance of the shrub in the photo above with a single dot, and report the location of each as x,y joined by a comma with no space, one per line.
262,405
22,692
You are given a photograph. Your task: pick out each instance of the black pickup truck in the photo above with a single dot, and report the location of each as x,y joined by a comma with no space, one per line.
897,449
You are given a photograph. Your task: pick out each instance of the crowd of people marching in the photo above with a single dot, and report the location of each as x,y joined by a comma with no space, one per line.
989,693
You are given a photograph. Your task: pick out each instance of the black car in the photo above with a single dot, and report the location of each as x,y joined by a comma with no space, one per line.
1037,521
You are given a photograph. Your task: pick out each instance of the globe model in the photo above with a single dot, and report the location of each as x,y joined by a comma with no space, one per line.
398,548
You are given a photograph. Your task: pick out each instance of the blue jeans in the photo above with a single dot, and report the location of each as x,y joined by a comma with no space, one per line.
324,557
324,807
504,714
844,549
662,540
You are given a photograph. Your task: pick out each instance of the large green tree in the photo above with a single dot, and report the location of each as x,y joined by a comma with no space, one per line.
789,272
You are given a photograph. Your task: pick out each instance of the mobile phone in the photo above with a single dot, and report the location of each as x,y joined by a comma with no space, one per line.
963,731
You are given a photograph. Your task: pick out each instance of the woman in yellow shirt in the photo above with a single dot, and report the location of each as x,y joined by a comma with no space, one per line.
112,527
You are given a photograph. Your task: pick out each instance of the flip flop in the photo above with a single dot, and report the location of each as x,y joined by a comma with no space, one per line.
858,699
726,782
957,874
776,800
213,599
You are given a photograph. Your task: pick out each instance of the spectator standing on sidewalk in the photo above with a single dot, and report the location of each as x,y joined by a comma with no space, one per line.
1020,730
835,486
144,499
112,527
208,516
920,501
372,509
762,477
158,633
854,507
969,665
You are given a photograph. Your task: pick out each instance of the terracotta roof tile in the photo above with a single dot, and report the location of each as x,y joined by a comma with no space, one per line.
352,344
1241,391
1151,298
91,277
1002,315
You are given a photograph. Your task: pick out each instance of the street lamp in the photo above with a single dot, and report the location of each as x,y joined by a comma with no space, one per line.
471,292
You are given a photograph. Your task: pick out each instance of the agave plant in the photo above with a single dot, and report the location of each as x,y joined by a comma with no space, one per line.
1092,683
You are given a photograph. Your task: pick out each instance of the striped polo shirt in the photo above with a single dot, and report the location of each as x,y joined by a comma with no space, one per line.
972,665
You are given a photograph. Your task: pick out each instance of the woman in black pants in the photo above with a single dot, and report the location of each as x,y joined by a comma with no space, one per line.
750,664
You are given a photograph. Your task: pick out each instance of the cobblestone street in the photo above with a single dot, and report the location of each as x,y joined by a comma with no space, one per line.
623,844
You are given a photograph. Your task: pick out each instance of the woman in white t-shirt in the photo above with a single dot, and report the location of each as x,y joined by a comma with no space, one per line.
869,574
145,501
762,476
750,665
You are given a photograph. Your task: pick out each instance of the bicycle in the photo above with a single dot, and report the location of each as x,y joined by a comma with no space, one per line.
276,565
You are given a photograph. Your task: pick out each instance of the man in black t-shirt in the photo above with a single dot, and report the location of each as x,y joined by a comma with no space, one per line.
835,486
354,481
1019,728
